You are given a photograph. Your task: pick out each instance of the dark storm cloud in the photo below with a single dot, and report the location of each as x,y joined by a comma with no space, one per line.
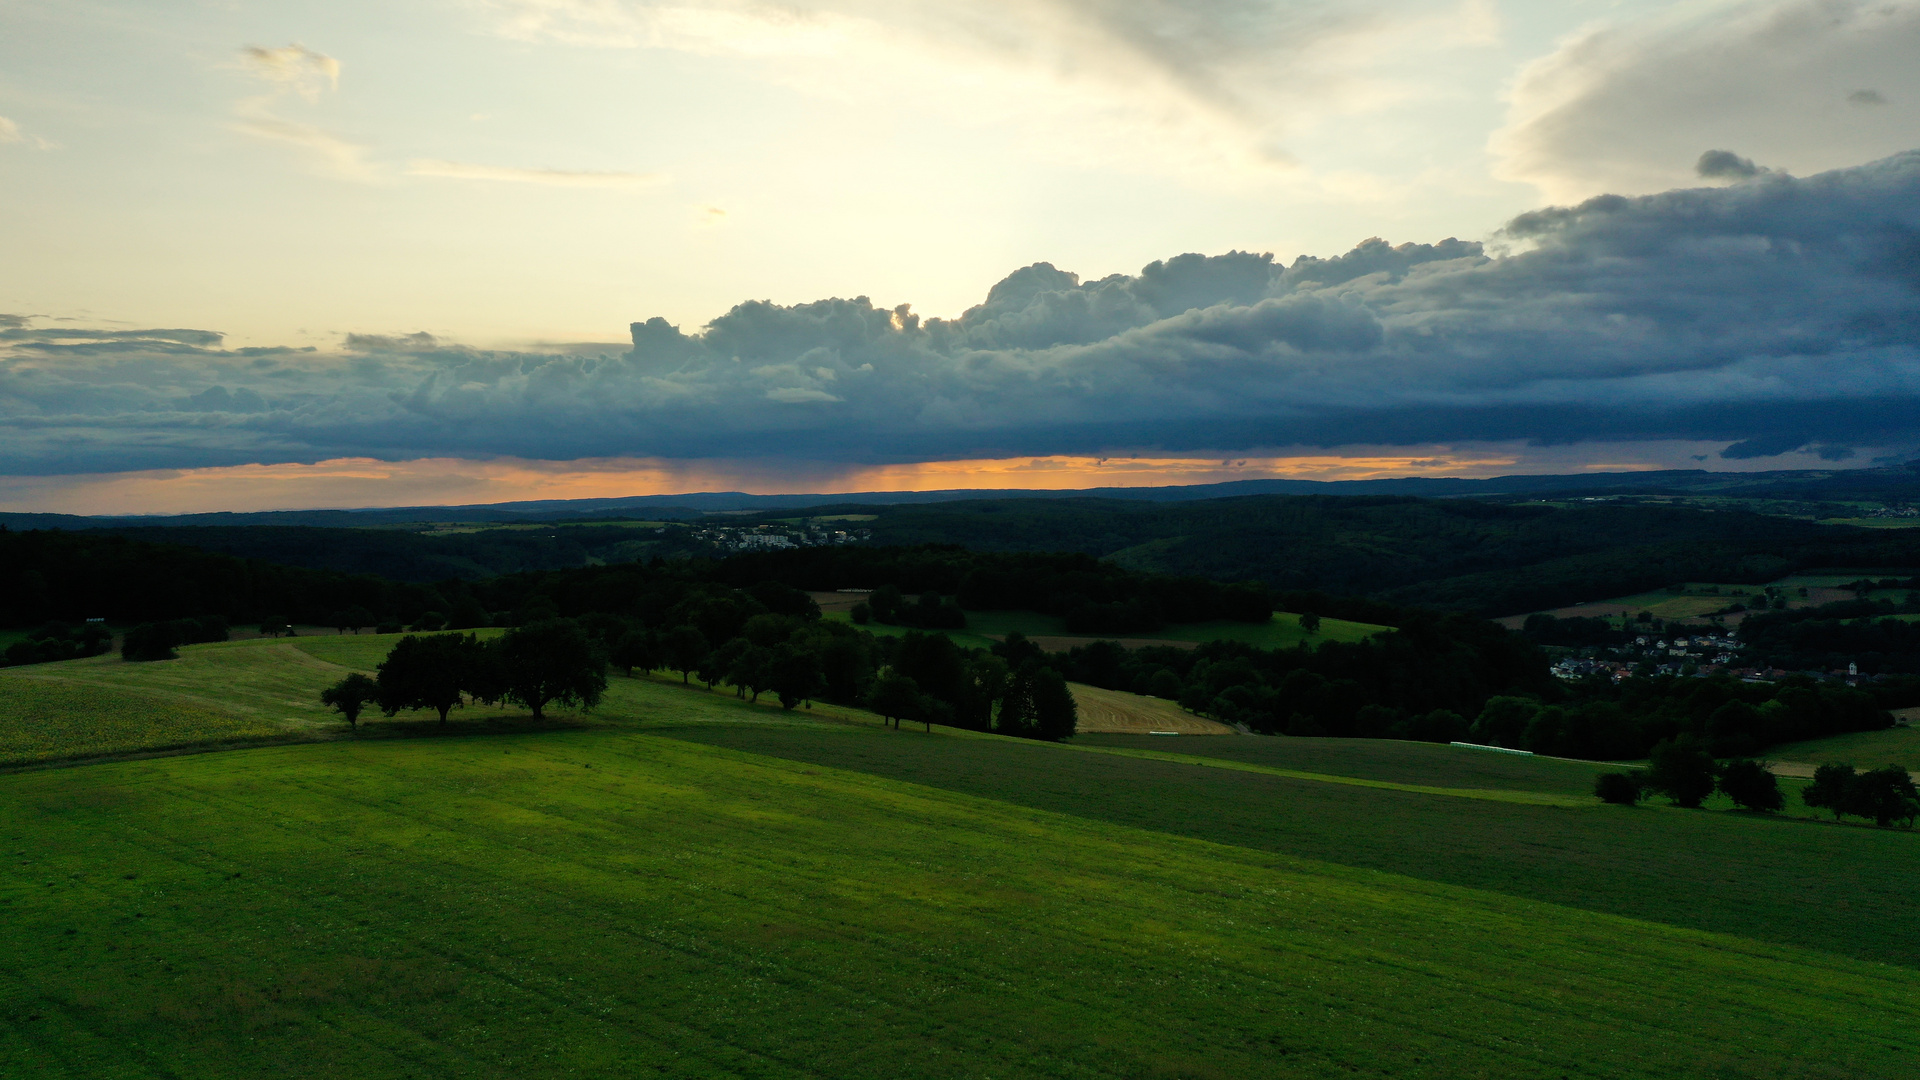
1773,314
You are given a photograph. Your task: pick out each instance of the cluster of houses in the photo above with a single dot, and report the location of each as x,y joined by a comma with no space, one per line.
731,538
1700,655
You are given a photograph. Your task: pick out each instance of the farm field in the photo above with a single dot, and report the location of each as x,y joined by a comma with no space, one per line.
1429,764
1118,712
621,900
1769,879
688,884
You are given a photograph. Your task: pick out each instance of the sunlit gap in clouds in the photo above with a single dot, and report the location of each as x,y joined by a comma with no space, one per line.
366,482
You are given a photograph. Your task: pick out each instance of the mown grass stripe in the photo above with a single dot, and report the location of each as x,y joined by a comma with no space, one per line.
1530,798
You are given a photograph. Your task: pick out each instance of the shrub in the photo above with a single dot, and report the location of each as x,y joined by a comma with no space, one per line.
1621,789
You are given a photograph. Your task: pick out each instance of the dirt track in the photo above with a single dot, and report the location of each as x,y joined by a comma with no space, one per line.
1117,712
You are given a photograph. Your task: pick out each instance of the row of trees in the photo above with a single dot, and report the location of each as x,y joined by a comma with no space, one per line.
1687,774
919,678
541,664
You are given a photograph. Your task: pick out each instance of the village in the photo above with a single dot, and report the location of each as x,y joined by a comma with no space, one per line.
1699,656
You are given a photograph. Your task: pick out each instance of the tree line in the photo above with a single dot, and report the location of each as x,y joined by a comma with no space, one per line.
1683,770
917,678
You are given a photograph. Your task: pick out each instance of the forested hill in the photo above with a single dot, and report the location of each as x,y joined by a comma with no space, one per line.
1458,554
1469,555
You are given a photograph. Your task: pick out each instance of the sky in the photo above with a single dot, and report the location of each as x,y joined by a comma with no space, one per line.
282,255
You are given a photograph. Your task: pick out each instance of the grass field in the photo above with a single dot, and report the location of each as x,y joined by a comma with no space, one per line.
684,884
42,720
1866,749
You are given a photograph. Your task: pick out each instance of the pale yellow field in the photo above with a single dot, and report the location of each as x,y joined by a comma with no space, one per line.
1116,712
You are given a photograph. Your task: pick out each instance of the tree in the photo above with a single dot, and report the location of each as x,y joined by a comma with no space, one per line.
549,662
1829,788
1621,789
1310,622
1016,705
894,696
884,602
150,641
861,614
636,649
1884,794
1055,715
795,675
349,696
718,663
686,647
1679,769
1751,785
753,671
429,673
984,683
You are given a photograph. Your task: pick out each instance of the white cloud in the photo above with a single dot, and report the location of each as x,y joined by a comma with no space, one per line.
1213,83
296,71
1800,85
461,170
297,68
10,131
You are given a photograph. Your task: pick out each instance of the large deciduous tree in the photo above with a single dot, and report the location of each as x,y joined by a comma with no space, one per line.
1681,770
433,672
548,662
1751,785
686,647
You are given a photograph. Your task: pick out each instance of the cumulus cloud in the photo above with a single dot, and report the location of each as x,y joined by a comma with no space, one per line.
461,170
1628,106
1770,315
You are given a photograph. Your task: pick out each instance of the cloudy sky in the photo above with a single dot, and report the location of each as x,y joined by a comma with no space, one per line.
289,254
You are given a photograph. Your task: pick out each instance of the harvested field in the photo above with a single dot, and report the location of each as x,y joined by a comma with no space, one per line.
1116,712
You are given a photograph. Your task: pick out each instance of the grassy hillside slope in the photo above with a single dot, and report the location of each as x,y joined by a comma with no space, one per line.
606,903
685,884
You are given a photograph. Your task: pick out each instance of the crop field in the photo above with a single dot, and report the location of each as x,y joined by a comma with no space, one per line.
685,884
1118,712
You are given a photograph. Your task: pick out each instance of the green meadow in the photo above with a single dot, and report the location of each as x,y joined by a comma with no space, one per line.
680,883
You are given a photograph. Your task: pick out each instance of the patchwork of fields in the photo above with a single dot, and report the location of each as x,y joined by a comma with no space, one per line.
684,884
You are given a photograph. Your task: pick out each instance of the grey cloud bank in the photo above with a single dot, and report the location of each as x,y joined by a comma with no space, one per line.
1775,313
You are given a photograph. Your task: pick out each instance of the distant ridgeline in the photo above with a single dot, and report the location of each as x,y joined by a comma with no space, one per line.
1485,557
